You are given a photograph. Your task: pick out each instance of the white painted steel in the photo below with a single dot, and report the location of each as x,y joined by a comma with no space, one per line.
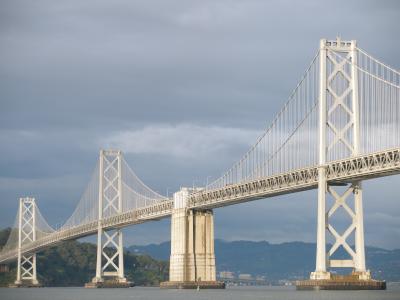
374,165
341,119
26,263
109,242
320,269
340,125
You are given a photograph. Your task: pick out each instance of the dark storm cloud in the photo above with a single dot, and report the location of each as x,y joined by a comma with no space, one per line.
206,76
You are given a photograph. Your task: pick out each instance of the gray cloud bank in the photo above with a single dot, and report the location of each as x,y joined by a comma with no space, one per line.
182,87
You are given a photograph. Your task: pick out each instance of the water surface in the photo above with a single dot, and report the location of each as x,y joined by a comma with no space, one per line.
231,293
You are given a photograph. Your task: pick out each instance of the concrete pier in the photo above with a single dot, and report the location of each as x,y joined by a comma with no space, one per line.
192,262
109,283
26,284
342,282
192,285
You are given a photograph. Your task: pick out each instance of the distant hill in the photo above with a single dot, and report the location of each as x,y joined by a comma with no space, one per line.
72,263
290,260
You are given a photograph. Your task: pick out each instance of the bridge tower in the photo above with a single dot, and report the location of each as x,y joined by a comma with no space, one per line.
26,264
192,261
110,251
339,137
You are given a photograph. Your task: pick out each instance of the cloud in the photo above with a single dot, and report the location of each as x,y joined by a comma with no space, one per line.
181,140
183,87
377,218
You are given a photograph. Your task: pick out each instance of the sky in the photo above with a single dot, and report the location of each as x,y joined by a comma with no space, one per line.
183,88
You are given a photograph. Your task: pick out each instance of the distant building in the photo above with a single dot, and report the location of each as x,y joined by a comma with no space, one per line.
226,275
260,278
245,277
285,282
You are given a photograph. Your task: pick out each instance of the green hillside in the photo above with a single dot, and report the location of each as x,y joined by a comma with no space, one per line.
73,263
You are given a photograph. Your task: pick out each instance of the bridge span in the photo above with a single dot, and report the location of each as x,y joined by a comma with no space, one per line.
375,165
339,127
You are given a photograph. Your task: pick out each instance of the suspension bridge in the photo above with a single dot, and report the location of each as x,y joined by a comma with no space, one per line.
339,127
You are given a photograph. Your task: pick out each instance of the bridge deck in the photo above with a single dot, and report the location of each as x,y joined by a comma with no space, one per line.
364,167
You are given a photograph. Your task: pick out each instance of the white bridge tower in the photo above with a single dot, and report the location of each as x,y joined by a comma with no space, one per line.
339,137
26,264
110,251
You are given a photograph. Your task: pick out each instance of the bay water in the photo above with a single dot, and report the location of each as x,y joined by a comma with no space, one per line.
230,293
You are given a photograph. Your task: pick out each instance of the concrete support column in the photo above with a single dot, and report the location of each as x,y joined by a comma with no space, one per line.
192,261
204,257
180,246
192,246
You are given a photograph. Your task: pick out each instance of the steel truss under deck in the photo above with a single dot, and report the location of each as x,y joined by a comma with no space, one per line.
348,170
